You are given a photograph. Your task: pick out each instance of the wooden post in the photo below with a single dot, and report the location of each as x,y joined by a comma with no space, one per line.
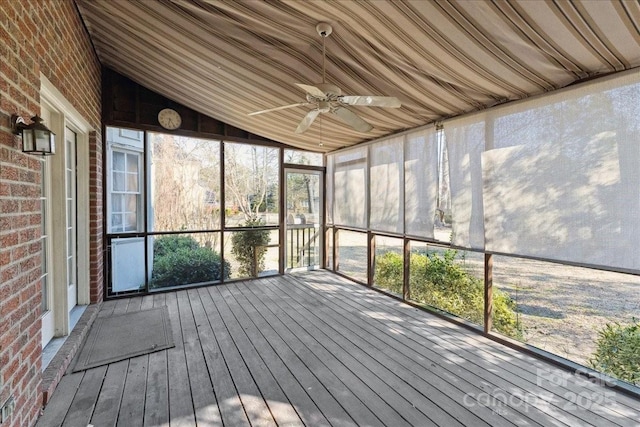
406,291
488,292
371,253
282,207
336,253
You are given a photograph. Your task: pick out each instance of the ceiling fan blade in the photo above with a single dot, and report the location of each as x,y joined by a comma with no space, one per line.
372,101
352,119
312,90
278,108
307,120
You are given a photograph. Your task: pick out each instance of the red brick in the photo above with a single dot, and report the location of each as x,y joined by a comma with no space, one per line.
59,49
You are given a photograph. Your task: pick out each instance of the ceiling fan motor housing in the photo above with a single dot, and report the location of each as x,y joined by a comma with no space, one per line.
324,106
329,89
323,29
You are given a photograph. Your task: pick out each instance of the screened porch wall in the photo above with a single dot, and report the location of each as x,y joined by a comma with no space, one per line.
551,185
555,177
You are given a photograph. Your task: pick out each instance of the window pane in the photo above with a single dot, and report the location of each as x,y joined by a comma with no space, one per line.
132,203
352,254
119,181
252,184
577,313
389,265
116,223
185,259
185,183
132,163
116,202
131,223
247,261
132,182
449,280
118,161
300,157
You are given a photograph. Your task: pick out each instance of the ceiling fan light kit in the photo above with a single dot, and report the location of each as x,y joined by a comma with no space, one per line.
327,98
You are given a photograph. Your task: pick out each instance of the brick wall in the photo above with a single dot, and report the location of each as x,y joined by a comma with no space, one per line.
37,36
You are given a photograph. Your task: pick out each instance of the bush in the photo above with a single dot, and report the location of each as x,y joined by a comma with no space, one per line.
617,352
169,244
439,282
243,245
180,260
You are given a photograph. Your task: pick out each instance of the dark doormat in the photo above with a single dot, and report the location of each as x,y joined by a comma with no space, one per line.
122,336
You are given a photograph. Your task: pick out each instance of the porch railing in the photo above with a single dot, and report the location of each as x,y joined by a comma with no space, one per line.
302,245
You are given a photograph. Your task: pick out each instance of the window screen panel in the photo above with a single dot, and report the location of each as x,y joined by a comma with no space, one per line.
562,181
420,182
386,185
350,188
465,139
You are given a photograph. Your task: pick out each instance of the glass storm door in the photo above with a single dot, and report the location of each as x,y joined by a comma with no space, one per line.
48,327
303,231
71,217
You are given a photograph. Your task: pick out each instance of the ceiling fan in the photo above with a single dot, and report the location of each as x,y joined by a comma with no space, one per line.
328,98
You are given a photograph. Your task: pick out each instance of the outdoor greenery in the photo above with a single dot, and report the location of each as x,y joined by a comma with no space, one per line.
180,260
617,352
438,281
245,242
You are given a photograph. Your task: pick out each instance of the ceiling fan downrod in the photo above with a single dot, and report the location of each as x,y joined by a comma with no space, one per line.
323,30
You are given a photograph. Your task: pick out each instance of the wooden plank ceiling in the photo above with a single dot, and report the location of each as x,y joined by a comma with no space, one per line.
441,58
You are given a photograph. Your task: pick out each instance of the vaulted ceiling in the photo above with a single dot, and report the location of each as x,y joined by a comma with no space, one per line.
441,58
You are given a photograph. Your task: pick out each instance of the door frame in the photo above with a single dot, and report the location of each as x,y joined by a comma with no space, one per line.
63,115
321,213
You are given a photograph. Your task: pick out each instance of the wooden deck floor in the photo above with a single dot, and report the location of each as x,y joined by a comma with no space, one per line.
315,349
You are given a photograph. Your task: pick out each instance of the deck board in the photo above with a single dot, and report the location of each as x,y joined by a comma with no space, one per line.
281,409
315,349
253,403
156,410
110,395
283,339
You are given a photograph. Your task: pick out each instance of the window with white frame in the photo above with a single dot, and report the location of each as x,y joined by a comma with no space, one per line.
125,189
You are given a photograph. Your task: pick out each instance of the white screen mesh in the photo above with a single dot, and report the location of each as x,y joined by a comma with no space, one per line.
350,189
329,189
465,144
420,182
386,183
563,181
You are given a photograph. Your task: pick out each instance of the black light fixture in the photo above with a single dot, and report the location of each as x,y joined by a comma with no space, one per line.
36,137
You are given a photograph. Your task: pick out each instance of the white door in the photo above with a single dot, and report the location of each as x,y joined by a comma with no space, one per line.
71,215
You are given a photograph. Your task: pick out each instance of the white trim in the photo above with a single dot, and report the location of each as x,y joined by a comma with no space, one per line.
64,115
50,94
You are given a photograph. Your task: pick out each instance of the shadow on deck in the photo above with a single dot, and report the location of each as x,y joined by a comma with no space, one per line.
315,349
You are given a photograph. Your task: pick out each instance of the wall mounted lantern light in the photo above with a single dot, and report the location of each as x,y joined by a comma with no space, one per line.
36,137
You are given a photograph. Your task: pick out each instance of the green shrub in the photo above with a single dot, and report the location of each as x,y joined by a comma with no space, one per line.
618,351
438,281
166,245
180,260
243,244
